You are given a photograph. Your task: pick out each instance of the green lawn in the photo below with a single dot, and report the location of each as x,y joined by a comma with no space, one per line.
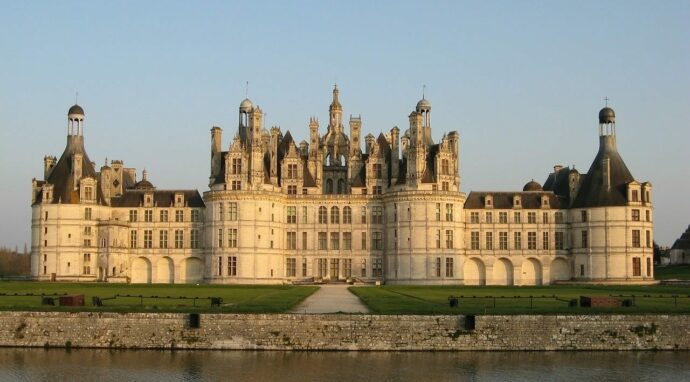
236,298
392,299
680,272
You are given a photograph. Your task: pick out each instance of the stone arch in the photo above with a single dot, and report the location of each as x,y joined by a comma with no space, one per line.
193,269
474,272
141,271
560,270
531,272
165,271
503,272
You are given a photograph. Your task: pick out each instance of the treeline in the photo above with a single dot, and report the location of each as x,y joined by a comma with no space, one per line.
13,263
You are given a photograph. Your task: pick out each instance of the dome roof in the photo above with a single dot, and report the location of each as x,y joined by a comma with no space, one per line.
423,104
607,115
76,109
144,185
532,186
246,105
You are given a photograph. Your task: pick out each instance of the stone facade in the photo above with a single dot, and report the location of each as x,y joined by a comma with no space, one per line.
386,209
345,332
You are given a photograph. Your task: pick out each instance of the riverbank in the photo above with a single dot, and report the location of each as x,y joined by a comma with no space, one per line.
344,332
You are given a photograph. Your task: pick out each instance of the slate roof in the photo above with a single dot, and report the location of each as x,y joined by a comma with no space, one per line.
162,198
504,200
558,182
684,241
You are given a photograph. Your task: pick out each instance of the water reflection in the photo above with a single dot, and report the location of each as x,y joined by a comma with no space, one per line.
131,365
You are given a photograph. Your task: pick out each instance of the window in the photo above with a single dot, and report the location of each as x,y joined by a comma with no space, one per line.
323,241
474,217
87,213
489,217
489,240
545,240
236,166
291,267
474,240
232,265
377,240
232,238
503,217
291,215
438,212
179,216
558,217
377,215
364,268
292,172
648,215
292,189
376,190
649,265
376,170
132,215
87,263
449,238
305,214
335,240
364,215
636,238
341,186
531,217
444,167
179,238
517,240
583,216
164,216
347,267
585,239
195,215
347,215
347,240
221,212
438,239
437,267
444,186
516,217
220,238
395,212
148,238
559,240
148,215
637,266
582,269
163,238
232,211
635,196
449,267
87,230
377,267
364,240
220,266
531,240
323,215
88,193
236,185
636,215
449,212
304,267
545,217
304,240
503,240
133,239
329,186
648,239
335,215
87,242
195,238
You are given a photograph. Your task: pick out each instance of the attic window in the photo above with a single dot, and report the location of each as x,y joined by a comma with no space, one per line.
635,196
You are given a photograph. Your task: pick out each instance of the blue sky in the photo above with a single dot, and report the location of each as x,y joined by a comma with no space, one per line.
522,82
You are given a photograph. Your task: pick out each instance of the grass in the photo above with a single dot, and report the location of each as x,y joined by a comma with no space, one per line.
394,299
236,298
680,272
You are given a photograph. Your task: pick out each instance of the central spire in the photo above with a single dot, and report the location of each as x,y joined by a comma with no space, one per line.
336,102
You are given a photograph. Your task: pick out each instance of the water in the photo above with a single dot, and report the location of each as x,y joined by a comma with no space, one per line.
149,365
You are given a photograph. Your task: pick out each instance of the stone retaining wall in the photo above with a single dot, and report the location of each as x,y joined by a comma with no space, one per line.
344,332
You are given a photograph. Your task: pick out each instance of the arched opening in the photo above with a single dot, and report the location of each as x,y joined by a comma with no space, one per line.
503,272
329,186
165,271
474,272
531,272
193,270
141,271
341,186
560,270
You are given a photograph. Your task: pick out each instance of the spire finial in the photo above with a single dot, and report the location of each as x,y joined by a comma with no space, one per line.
106,161
246,89
606,99
423,91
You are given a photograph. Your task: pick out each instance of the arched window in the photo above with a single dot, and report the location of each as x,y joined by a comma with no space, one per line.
335,215
347,215
323,215
329,186
328,160
341,186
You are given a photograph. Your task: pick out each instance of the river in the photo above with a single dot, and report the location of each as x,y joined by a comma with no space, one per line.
151,365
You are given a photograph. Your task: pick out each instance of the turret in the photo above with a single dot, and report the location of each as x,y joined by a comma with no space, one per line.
335,112
216,151
49,162
394,159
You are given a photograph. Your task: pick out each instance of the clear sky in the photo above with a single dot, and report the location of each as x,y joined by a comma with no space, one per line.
521,81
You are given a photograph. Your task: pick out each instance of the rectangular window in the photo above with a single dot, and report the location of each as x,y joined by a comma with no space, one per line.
291,240
648,239
88,193
164,216
531,217
438,211
323,215
195,215
449,238
236,166
220,238
545,240
517,240
377,240
545,217
449,212
132,215
531,240
347,240
232,265
377,171
163,238
474,217
474,239
304,267
364,215
179,238
148,215
232,211
503,241
291,267
637,266
347,268
636,238
489,217
364,240
323,241
649,267
516,217
335,240
635,196
87,213
449,267
377,215
364,268
444,186
304,240
220,266
503,217
558,217
179,215
87,242
232,238
133,239
583,216
291,215
438,239
559,240
377,190
292,189
437,267
236,185
648,215
148,238
87,263
304,214
292,171
636,215
377,267
347,215
195,239
489,240
585,239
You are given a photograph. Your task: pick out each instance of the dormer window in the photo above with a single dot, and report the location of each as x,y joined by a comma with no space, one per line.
148,199
635,197
179,199
545,201
488,201
517,203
